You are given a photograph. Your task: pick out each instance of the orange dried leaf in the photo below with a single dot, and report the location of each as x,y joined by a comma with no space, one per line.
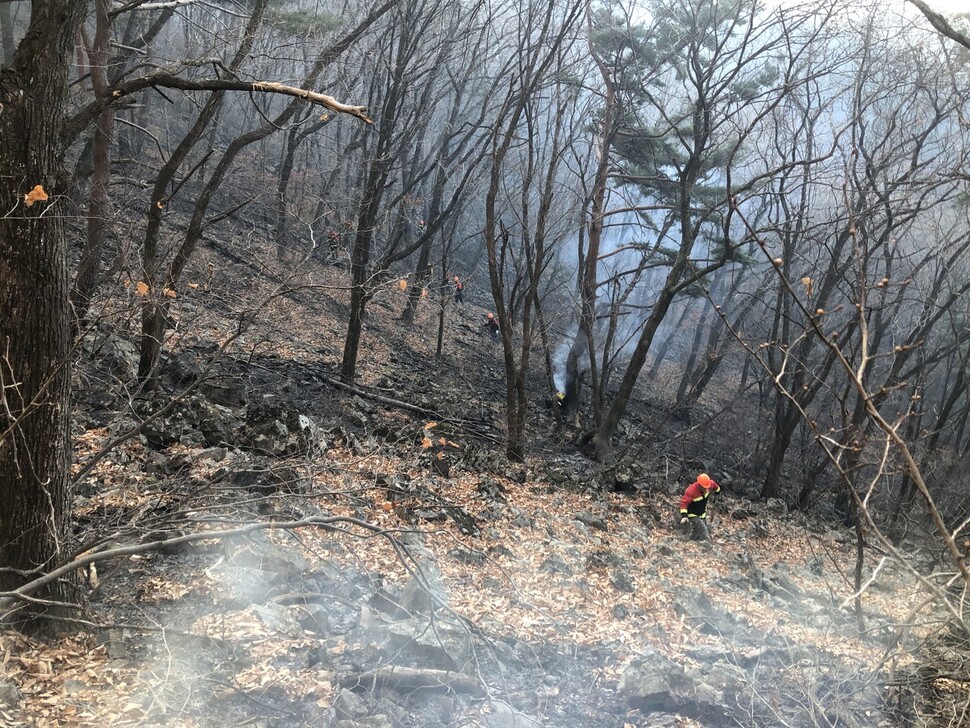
193,286
168,293
430,425
426,443
442,441
35,195
402,284
141,288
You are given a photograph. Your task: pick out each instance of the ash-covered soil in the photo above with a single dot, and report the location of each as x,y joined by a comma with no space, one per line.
322,555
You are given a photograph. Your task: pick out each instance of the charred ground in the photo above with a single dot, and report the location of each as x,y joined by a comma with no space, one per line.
398,571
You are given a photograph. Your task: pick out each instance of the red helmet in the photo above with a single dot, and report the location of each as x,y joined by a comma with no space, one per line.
705,480
491,315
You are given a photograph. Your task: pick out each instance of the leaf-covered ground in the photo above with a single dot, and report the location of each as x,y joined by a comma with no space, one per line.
538,562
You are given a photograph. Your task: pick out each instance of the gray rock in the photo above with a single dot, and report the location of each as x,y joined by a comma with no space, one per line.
227,391
776,508
70,687
313,617
373,721
348,705
780,585
426,594
432,709
697,609
623,582
242,585
9,694
435,644
654,682
555,564
261,553
727,679
467,556
502,715
278,619
113,354
114,641
605,558
162,432
593,521
220,426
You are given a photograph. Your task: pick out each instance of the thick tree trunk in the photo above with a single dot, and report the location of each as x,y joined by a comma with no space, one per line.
34,313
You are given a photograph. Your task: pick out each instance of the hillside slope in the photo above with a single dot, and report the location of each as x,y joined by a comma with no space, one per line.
387,567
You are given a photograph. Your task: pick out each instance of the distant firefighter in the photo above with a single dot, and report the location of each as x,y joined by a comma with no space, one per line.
333,237
693,508
491,324
459,291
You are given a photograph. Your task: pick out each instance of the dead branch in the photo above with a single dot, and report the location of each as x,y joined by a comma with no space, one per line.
10,598
407,679
396,403
941,24
163,79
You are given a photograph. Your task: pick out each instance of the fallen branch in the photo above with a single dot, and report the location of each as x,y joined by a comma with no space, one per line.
407,406
10,598
407,679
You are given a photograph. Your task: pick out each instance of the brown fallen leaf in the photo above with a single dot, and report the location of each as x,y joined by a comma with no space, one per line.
35,195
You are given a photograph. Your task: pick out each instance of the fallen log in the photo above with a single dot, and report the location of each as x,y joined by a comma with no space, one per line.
409,679
407,406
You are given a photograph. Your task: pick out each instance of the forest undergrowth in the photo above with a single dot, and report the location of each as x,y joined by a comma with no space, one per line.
345,518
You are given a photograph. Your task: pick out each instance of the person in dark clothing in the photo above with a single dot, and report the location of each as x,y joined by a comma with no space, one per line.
333,237
459,291
693,507
491,323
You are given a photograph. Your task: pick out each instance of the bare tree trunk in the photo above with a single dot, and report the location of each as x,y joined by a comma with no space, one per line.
89,267
6,34
153,319
604,433
34,313
664,347
589,283
705,323
367,212
293,139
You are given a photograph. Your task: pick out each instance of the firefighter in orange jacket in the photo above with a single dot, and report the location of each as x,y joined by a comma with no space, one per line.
491,324
693,507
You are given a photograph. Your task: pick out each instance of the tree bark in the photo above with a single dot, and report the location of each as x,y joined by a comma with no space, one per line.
34,313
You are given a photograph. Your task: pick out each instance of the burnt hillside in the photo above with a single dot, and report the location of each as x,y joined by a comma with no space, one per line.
312,554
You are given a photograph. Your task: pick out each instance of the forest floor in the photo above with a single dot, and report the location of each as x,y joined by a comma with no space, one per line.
542,583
